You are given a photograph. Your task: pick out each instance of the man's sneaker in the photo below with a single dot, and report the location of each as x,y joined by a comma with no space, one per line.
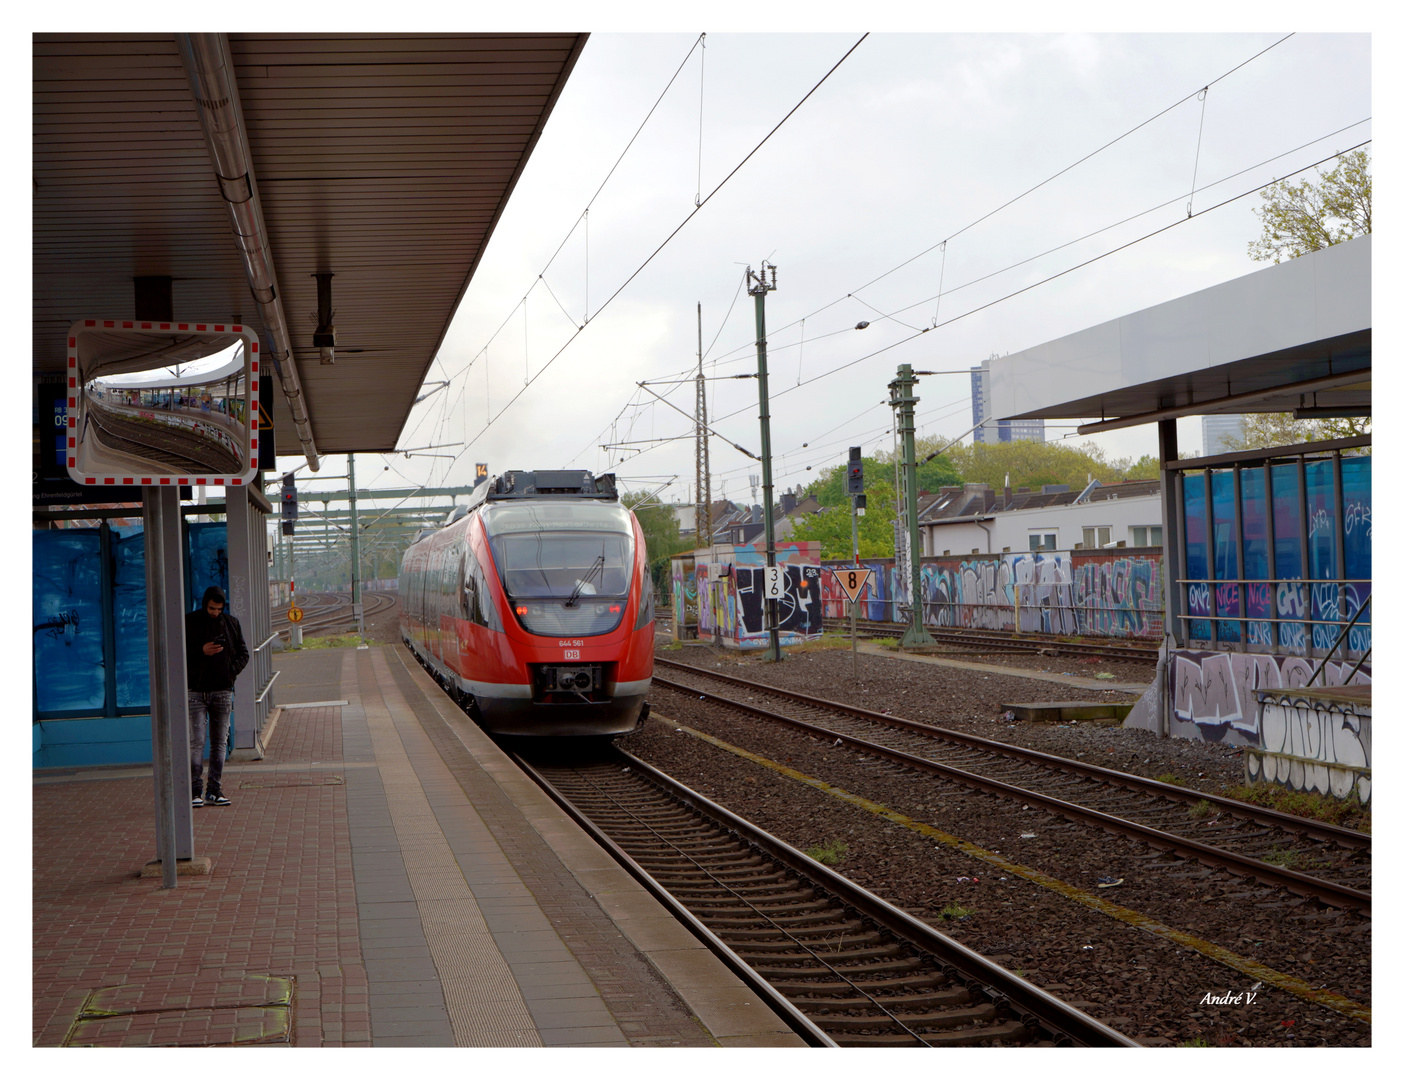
197,801
215,797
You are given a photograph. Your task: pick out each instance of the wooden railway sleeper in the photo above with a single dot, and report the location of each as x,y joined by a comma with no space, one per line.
804,933
863,938
871,986
1009,1031
933,999
975,1014
857,969
768,907
843,953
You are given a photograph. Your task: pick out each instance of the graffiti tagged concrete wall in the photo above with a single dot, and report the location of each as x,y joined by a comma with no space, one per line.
726,587
1312,743
1095,593
1213,694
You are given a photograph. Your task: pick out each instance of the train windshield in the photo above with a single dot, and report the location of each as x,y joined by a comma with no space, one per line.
565,567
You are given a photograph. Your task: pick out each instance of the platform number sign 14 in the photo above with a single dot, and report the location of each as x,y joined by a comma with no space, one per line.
774,582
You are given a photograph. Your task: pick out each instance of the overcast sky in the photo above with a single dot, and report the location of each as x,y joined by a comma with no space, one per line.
912,140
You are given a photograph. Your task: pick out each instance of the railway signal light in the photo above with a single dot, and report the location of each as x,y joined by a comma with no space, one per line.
289,506
855,470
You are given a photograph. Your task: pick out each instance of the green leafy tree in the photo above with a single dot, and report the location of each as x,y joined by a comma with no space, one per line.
1146,467
830,488
1303,217
1298,218
834,527
659,525
1031,464
1261,430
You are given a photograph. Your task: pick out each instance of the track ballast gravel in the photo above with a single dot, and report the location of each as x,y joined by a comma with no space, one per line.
1148,987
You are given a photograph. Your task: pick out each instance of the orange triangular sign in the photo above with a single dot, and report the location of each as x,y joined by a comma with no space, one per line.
851,579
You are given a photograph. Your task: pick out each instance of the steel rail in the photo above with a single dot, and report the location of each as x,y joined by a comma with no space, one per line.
993,641
1317,830
1045,1010
1302,884
800,1024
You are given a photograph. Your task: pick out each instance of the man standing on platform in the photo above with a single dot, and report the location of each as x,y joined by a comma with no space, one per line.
215,653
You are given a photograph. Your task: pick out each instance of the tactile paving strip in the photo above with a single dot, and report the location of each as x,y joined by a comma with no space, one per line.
484,1005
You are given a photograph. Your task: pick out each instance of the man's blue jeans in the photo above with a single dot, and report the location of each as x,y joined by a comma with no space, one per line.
209,710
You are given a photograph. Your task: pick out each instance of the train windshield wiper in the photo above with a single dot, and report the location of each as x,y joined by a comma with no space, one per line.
595,568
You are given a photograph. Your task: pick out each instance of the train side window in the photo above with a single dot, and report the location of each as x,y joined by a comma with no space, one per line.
477,598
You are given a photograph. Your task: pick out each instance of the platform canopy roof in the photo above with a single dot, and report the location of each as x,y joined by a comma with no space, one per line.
385,160
1294,337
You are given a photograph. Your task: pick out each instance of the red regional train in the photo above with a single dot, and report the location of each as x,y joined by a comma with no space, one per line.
533,606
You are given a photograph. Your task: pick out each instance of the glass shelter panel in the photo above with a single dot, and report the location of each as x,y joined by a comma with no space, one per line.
1321,551
1227,594
1257,589
1287,552
129,621
1197,557
69,643
1355,488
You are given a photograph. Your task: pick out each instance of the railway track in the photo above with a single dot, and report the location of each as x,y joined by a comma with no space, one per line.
992,641
325,613
157,444
1220,833
848,968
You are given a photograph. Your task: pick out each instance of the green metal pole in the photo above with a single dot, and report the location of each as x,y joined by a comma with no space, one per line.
758,289
904,401
853,604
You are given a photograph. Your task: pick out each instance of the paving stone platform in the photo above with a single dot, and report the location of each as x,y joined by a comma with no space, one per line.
385,876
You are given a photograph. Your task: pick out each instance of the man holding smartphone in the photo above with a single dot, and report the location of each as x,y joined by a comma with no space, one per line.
215,653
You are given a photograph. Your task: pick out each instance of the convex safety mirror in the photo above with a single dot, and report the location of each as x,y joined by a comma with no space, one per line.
162,403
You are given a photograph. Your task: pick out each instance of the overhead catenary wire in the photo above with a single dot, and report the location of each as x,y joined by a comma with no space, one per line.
1042,183
1017,292
584,217
693,213
687,377
1043,281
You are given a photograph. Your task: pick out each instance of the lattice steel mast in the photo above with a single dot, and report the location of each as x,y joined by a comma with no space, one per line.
702,510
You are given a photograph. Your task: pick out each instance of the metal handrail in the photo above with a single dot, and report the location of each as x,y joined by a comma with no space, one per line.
1296,621
1339,638
271,637
1272,581
267,687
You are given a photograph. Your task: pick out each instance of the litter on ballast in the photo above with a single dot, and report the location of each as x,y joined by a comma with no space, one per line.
1109,882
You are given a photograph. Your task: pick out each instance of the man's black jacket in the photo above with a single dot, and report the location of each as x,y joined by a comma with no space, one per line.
216,672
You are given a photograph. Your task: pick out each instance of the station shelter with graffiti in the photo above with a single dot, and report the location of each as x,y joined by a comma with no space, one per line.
718,595
1267,567
93,704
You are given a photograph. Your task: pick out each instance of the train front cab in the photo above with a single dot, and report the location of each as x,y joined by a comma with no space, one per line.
575,649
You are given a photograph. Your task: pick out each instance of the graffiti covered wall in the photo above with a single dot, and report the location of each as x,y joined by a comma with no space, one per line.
1095,594
1213,694
729,581
1313,744
684,575
1118,595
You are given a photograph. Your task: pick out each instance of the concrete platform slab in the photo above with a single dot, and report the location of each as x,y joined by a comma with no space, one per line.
429,896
